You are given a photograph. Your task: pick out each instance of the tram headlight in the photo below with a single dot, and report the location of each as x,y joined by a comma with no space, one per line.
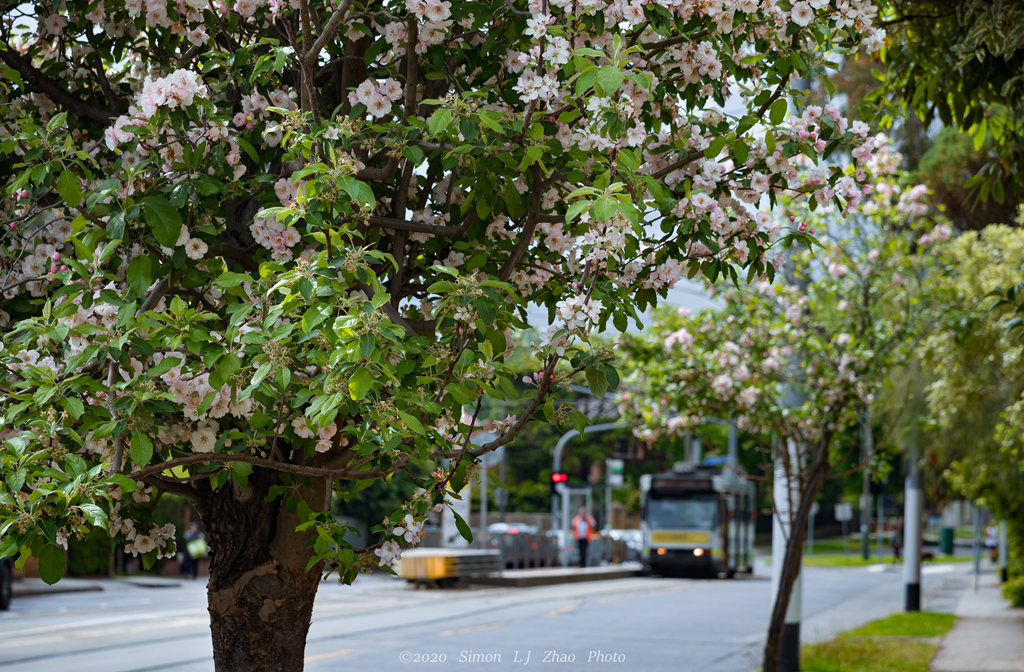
662,551
698,552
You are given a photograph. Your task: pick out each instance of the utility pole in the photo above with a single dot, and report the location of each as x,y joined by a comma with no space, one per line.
912,498
867,447
1002,552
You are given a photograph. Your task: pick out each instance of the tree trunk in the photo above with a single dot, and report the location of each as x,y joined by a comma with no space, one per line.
260,594
794,555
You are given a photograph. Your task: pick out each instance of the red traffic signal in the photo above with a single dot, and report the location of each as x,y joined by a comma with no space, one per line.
559,477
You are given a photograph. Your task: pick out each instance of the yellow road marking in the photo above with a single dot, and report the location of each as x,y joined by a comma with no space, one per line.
325,656
563,610
474,628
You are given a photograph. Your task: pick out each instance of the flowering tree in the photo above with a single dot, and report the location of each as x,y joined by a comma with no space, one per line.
975,395
797,362
259,254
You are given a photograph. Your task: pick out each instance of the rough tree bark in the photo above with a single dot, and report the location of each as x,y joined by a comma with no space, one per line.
260,596
819,472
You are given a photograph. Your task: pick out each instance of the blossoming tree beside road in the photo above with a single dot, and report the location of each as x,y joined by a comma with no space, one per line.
264,253
796,362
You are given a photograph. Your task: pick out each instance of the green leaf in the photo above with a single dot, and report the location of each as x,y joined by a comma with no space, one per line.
16,479
8,545
74,406
140,274
609,78
778,110
439,120
604,209
69,188
489,118
414,154
359,192
360,383
461,393
534,153
597,382
240,472
229,279
228,365
315,315
141,449
164,219
367,345
715,147
305,287
51,563
740,151
165,365
463,527
575,209
115,226
56,121
94,514
412,423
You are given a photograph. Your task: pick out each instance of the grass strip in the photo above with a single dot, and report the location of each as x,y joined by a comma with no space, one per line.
855,560
897,643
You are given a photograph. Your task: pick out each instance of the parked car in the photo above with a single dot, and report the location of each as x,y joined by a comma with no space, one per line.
6,582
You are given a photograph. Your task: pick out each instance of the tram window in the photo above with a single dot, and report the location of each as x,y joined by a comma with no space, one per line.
693,513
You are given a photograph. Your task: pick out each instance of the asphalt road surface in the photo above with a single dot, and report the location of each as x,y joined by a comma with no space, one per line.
380,623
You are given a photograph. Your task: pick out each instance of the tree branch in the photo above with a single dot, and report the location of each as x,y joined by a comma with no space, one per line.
265,463
681,163
84,109
654,47
411,66
309,58
529,228
181,489
404,225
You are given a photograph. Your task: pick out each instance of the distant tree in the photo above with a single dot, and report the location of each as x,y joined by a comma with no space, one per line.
975,376
797,363
948,166
962,62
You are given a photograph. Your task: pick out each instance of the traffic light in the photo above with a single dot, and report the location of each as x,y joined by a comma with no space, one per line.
557,478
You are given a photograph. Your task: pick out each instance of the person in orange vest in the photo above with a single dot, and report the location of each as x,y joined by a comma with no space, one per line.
582,527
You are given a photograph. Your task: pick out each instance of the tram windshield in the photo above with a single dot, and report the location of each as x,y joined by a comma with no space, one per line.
699,513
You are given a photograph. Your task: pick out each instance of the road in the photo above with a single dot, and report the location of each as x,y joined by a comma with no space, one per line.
380,623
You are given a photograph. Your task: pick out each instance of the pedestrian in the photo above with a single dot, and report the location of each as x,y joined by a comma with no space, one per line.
582,527
992,541
195,548
897,546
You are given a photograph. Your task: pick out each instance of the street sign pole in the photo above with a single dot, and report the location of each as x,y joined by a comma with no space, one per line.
844,513
912,500
867,447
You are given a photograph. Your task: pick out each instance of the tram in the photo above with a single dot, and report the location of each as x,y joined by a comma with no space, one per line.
698,521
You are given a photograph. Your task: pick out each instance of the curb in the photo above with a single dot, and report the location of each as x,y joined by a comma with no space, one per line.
523,580
35,587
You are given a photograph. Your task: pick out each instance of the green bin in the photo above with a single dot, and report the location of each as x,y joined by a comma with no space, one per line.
946,541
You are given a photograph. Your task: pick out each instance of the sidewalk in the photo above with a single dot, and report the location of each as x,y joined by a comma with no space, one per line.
988,635
29,586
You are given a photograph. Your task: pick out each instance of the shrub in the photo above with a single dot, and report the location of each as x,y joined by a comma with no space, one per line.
1013,590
